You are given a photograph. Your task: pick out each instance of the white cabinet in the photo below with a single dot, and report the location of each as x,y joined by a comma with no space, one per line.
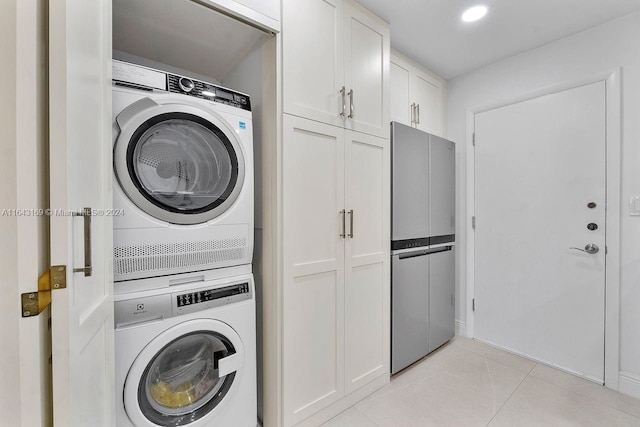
418,96
336,64
263,13
336,277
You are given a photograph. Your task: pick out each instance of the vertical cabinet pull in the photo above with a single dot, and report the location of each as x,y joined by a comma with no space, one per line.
351,223
343,234
413,113
88,268
344,102
417,114
351,107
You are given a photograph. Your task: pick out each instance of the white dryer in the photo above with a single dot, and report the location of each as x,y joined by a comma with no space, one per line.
183,174
187,356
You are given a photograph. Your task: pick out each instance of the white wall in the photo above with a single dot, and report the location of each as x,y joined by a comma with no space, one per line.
597,50
247,77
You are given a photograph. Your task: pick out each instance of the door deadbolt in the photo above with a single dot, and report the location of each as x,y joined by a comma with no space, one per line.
592,226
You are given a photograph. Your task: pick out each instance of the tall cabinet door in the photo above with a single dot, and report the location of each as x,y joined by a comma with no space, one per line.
366,71
313,270
313,59
428,94
367,284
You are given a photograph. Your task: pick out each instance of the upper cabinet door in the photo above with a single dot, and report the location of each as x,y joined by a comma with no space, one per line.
313,59
80,177
366,71
400,96
428,94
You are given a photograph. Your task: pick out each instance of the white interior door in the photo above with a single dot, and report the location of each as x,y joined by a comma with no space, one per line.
80,177
540,182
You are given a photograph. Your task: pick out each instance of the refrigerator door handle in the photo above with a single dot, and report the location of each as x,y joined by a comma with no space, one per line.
424,252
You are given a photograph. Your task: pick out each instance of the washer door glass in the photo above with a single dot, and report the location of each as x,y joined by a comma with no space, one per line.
181,383
182,163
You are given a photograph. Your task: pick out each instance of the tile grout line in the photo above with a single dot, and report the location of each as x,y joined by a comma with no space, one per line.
584,396
367,417
511,395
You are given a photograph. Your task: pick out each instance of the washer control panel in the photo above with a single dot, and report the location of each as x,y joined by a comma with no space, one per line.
146,309
200,297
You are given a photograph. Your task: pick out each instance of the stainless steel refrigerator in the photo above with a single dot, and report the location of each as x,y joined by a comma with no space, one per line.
422,244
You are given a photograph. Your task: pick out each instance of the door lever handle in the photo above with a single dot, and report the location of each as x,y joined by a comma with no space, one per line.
590,248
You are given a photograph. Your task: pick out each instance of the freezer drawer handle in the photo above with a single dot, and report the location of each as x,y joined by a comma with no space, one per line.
424,252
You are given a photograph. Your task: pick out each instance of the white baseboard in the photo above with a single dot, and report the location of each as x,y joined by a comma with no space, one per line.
461,328
629,384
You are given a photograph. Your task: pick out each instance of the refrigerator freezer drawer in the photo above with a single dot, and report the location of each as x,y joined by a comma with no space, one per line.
441,298
410,309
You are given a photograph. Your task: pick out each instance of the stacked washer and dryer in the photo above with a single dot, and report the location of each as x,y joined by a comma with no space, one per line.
184,306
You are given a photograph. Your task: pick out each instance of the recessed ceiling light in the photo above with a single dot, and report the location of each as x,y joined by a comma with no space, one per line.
475,13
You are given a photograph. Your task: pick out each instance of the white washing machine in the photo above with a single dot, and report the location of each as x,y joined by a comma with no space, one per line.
183,174
187,356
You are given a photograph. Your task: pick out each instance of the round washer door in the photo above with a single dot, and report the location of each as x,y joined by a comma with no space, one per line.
185,376
178,162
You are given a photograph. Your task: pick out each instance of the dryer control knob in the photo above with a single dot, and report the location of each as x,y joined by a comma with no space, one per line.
186,84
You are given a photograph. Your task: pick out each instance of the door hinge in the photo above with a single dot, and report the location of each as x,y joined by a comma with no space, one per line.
473,139
473,222
33,303
473,304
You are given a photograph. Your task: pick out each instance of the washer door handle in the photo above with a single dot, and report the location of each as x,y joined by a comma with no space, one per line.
230,364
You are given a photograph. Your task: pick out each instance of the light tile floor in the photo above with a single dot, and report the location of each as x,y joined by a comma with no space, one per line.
467,383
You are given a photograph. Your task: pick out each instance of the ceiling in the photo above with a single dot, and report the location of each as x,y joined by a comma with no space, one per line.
431,32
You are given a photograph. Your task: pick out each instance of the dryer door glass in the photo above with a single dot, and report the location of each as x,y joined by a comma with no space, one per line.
182,383
182,163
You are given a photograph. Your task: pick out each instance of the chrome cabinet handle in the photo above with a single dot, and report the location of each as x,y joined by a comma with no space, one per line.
418,114
350,104
344,101
88,268
590,248
343,234
413,113
351,223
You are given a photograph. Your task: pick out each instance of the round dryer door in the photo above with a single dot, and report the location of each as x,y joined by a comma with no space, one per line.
178,162
184,376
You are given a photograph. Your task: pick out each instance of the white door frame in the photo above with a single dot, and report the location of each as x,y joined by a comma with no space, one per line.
613,103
